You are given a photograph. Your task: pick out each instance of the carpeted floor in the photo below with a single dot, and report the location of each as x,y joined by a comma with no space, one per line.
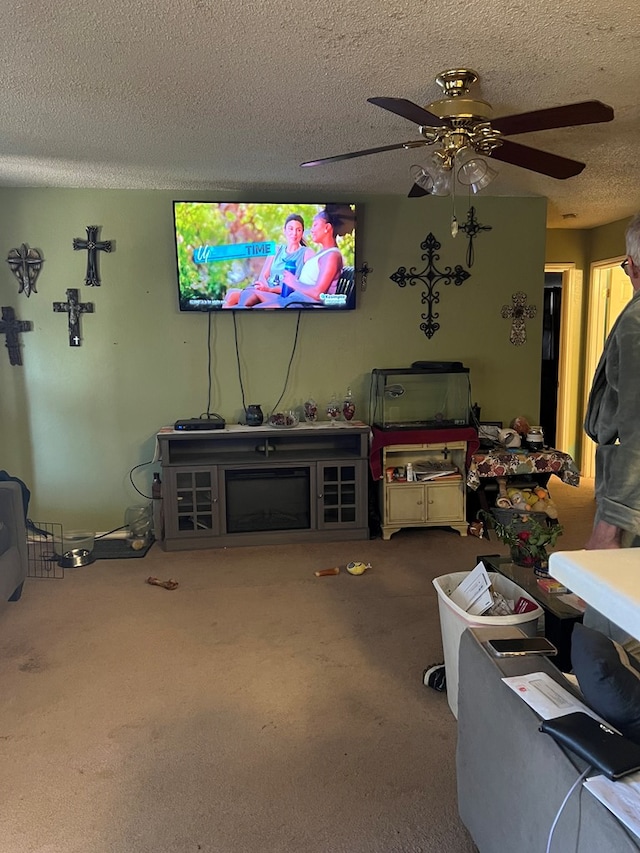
254,709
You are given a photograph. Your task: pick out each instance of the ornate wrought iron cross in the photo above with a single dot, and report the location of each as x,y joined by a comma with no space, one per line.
11,328
429,277
472,228
25,264
74,309
93,246
518,313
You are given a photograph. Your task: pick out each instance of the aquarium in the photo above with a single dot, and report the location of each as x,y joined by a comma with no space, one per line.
427,395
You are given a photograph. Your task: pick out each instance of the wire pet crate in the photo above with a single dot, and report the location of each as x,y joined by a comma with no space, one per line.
43,541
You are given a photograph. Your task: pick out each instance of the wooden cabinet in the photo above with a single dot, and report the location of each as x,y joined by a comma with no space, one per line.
439,502
260,485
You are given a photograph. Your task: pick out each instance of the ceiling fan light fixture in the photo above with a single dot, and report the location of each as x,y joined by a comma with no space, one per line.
442,183
476,173
422,177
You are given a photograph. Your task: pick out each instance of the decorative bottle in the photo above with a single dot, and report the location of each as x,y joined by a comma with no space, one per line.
254,416
156,486
348,406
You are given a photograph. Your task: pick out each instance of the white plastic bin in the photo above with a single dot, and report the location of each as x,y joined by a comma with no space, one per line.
454,620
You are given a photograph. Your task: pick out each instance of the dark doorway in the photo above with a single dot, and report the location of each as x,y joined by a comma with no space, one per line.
550,356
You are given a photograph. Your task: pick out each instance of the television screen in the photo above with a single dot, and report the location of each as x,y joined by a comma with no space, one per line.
251,256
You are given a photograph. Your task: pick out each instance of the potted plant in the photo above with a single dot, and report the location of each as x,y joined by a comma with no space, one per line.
527,537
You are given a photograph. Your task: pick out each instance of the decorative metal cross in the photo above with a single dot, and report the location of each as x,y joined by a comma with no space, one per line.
93,246
472,228
429,277
518,313
74,309
25,264
11,328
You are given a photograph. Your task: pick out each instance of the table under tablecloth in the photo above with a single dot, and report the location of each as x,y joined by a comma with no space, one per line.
510,463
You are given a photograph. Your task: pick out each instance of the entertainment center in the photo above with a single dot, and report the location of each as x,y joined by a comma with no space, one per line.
245,485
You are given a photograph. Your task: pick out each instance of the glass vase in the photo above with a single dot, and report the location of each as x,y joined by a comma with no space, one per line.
539,561
254,416
333,409
310,410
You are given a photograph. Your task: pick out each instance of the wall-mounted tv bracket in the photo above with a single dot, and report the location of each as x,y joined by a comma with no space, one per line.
518,313
472,228
25,264
11,328
74,309
93,246
430,277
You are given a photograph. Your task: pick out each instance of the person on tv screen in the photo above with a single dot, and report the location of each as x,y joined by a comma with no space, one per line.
293,254
319,275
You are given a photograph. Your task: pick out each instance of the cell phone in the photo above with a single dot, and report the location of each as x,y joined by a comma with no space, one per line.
521,646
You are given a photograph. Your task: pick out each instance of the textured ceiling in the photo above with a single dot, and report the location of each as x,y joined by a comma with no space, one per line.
219,95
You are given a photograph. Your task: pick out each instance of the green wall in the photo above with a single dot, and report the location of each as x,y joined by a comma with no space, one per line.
75,421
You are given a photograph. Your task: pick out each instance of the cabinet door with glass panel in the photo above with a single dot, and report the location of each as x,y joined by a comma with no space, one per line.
191,501
340,494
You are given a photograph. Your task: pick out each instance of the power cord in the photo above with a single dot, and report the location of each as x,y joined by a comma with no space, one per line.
208,413
293,352
286,381
578,781
148,497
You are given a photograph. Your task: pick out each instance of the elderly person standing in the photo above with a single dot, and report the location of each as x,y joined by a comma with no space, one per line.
613,418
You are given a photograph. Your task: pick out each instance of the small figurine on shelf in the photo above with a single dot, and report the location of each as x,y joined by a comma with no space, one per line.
310,410
333,409
348,406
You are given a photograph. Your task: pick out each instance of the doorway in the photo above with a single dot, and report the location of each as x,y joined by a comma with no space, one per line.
609,292
561,367
550,362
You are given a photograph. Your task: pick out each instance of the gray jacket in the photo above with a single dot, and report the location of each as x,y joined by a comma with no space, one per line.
613,422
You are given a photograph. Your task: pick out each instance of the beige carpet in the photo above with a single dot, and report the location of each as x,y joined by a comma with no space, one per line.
256,708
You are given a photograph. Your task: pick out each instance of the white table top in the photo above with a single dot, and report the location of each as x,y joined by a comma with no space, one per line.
607,580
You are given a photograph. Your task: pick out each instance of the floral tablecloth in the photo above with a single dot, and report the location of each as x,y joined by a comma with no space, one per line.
507,463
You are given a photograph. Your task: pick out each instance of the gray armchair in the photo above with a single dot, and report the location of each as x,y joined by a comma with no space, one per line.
13,542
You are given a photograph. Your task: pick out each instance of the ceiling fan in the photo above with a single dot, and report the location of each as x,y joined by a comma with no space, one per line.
459,126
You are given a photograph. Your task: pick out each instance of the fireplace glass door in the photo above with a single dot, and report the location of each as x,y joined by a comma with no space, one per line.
268,499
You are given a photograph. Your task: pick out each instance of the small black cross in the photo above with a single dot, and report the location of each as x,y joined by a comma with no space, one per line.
11,327
25,264
93,246
74,309
472,228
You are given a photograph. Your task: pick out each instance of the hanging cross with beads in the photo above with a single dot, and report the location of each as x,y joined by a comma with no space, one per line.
518,313
74,309
93,246
11,328
472,228
429,277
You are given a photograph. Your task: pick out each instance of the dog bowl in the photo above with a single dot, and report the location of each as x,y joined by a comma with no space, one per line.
75,558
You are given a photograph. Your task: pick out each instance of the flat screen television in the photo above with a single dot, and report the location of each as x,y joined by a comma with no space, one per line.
262,255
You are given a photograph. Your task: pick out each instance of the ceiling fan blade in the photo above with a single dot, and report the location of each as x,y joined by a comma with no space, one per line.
417,191
585,112
407,109
536,160
337,157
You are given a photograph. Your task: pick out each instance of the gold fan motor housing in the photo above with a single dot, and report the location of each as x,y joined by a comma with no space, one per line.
461,108
455,84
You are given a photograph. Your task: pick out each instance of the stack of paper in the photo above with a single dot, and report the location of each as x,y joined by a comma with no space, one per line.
474,594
